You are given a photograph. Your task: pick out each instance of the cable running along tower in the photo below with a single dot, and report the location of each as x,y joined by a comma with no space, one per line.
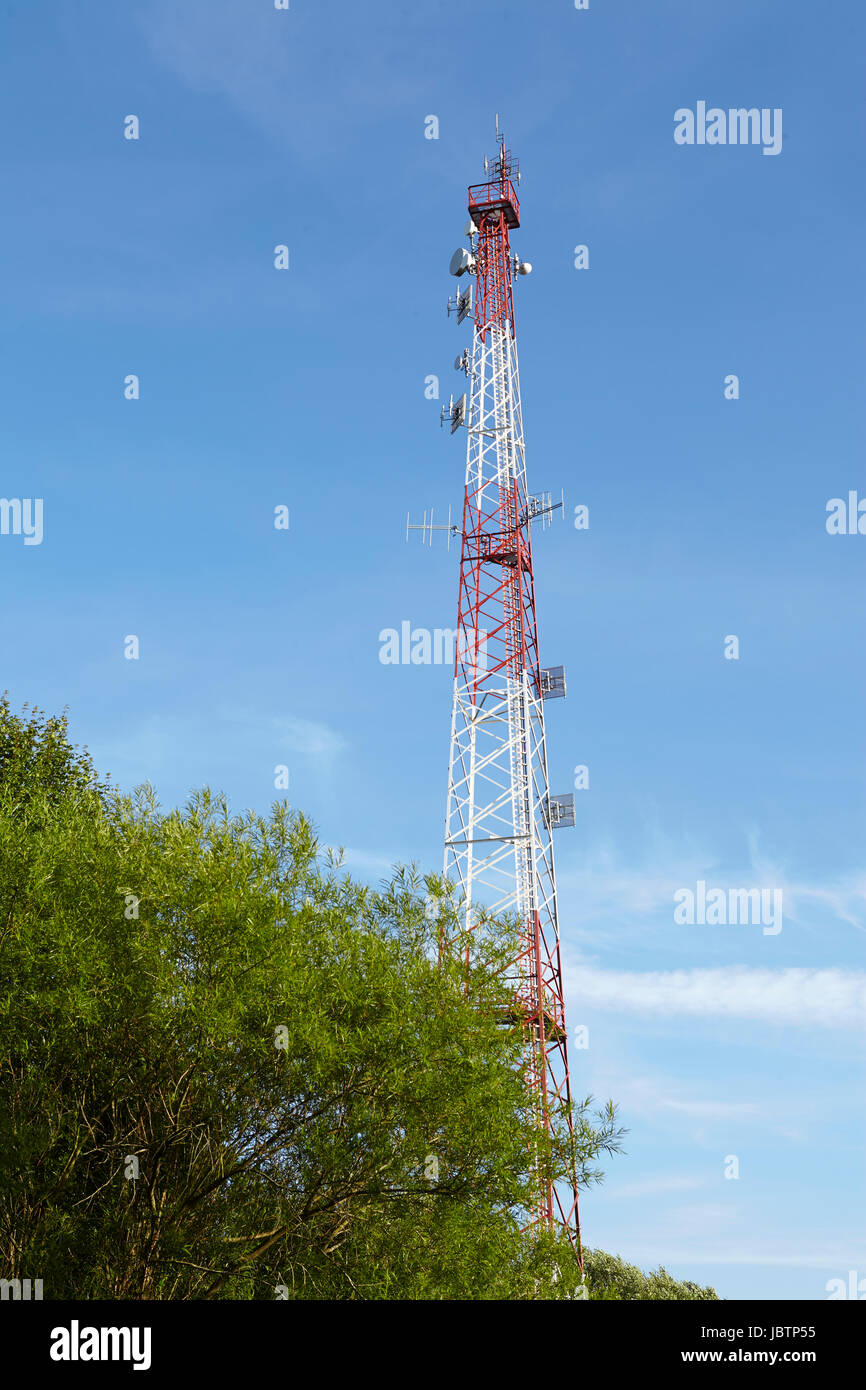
500,815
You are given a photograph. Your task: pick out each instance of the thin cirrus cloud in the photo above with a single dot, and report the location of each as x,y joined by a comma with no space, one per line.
179,745
308,737
657,1186
837,1260
363,861
607,886
794,997
641,1093
272,70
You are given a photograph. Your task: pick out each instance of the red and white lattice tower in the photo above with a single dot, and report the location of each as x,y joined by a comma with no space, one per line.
501,816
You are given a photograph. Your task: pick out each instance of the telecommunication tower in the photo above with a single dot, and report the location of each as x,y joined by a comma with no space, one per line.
500,815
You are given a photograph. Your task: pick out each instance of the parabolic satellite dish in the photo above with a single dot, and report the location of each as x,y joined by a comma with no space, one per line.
461,261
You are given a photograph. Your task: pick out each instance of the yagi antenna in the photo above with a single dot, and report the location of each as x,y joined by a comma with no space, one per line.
540,506
428,527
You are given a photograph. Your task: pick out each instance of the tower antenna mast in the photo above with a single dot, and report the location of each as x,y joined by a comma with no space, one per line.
500,815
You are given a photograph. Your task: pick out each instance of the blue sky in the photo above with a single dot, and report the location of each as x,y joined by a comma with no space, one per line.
306,388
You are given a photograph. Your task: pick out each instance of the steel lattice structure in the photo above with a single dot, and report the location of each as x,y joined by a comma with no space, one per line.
500,815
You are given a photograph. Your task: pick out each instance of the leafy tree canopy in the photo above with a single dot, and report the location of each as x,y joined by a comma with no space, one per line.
230,1071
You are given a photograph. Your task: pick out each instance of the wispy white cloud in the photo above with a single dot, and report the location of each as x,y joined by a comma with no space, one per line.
364,862
276,67
657,1186
711,1109
243,50
308,737
609,885
202,747
836,1262
702,1218
844,897
666,1097
794,997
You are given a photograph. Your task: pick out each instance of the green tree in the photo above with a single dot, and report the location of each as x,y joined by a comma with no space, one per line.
609,1277
228,1069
